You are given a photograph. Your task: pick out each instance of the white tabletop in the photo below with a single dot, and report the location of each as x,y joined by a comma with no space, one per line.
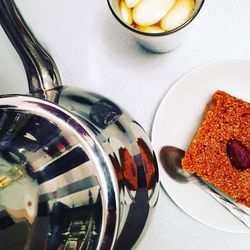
94,53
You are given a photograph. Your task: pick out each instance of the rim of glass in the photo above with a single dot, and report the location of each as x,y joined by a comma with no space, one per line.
156,34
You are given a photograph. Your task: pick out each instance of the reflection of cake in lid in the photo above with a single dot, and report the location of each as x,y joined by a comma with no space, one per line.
220,150
129,169
148,162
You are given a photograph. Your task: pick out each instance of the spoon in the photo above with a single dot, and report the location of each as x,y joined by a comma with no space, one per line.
170,158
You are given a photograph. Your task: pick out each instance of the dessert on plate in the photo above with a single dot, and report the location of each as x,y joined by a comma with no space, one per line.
220,150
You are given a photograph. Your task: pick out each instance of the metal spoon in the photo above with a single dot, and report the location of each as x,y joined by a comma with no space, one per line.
171,161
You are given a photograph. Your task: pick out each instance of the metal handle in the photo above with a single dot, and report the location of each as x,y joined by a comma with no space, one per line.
41,70
229,205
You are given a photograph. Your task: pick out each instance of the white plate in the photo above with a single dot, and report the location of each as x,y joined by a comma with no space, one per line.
176,121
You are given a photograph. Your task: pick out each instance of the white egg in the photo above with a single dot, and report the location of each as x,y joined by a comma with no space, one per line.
178,14
150,29
126,13
132,3
149,12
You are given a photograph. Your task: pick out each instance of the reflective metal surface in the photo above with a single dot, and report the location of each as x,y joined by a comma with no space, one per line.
78,173
49,188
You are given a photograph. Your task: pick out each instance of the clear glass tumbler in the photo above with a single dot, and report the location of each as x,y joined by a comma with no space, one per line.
157,42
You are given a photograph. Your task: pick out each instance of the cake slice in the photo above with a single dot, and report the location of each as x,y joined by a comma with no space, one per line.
220,150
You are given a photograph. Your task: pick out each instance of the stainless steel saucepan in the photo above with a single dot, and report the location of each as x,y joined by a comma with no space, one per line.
76,172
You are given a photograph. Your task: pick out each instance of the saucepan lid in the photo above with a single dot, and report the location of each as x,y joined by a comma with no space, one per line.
52,167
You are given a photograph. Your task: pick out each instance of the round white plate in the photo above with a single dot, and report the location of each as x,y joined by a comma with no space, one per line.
176,121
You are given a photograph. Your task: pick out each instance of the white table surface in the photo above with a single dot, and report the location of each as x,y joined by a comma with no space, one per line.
94,53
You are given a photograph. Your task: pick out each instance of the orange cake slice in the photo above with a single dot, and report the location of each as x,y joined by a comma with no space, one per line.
220,150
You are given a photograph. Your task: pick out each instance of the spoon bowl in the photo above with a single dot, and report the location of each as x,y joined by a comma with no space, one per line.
171,161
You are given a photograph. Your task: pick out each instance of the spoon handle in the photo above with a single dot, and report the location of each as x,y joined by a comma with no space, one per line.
40,68
230,206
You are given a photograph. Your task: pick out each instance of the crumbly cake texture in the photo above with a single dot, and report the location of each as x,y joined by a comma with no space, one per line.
225,118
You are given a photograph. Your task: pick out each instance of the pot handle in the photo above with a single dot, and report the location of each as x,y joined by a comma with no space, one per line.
40,68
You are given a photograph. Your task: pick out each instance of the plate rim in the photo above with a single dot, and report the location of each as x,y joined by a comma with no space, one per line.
168,92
